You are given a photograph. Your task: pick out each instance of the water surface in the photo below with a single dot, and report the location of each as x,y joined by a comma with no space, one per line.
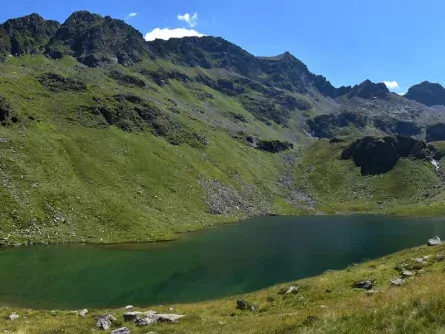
218,262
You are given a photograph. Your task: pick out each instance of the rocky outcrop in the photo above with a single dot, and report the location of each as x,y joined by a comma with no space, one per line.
24,35
272,146
427,93
242,305
97,41
368,90
435,132
57,83
327,126
367,285
380,155
104,322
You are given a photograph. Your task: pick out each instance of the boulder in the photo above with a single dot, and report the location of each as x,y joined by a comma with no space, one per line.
139,322
171,318
418,260
287,291
129,316
434,241
243,305
152,317
104,322
123,330
13,317
367,285
407,273
83,312
397,282
129,307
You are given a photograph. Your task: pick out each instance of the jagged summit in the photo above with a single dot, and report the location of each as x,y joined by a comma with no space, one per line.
27,34
368,89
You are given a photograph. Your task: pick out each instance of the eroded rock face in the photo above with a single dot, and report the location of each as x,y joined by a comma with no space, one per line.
379,155
272,146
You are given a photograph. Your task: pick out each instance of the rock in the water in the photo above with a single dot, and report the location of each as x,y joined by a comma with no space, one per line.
407,273
397,281
129,307
367,285
287,291
13,317
104,322
83,312
123,330
434,241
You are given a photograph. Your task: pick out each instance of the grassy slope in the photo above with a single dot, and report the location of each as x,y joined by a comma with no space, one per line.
340,187
68,177
325,304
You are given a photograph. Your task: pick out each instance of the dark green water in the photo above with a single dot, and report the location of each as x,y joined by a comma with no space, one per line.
214,263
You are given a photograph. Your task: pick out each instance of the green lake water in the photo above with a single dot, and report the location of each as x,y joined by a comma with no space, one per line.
214,263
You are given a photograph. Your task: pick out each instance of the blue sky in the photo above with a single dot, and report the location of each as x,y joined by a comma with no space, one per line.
347,41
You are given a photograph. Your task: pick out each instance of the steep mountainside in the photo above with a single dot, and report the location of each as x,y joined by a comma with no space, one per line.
108,138
25,35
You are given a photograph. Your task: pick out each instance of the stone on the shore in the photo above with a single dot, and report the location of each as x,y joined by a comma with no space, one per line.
434,241
13,316
171,318
83,312
287,291
367,285
123,330
397,282
104,322
128,316
129,307
152,317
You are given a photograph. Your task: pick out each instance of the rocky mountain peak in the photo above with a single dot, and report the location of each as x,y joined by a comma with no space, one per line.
96,41
27,34
368,89
427,93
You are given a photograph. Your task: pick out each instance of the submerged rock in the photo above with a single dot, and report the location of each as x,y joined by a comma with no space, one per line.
367,285
104,322
434,241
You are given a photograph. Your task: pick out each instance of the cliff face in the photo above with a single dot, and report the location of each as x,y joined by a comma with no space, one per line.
379,155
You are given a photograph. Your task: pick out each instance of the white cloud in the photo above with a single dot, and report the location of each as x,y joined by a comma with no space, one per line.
391,84
171,33
131,15
191,20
